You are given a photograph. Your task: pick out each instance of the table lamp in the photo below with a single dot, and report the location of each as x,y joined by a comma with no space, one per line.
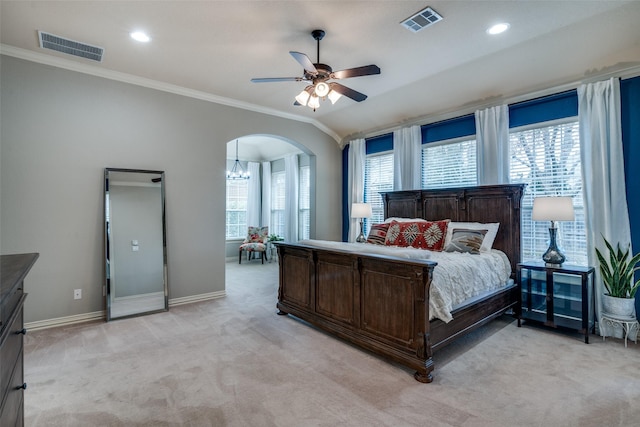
361,211
553,209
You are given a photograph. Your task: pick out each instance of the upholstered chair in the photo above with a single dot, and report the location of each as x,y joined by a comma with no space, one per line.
256,241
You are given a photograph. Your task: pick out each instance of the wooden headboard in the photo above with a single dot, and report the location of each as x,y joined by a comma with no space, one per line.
487,203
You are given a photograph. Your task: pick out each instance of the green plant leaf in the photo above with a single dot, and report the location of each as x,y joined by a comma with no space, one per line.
618,271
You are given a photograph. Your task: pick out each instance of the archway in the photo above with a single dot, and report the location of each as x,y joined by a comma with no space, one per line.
264,155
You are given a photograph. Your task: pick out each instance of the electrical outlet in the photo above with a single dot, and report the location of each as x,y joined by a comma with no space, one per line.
77,294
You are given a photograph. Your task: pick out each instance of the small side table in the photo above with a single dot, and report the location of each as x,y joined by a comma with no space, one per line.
272,252
629,325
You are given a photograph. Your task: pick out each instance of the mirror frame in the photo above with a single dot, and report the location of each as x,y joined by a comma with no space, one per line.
107,273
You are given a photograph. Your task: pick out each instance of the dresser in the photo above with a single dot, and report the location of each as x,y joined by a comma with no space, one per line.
13,269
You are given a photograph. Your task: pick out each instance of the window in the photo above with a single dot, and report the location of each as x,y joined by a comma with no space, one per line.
304,200
279,195
450,163
378,177
278,192
546,156
236,222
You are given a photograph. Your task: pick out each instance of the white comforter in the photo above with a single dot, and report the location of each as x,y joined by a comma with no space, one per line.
456,278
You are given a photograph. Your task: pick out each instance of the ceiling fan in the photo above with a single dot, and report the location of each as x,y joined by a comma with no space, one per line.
318,75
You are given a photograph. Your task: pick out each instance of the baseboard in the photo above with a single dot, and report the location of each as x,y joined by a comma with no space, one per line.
197,298
64,321
101,315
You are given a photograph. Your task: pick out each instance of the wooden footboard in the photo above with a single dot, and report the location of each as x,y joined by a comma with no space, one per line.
378,303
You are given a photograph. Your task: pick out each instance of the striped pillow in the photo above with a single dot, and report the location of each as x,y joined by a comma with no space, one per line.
378,234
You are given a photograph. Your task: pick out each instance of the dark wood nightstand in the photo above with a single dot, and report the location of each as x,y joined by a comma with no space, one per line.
557,295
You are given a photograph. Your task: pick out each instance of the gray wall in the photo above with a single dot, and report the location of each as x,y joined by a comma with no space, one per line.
61,128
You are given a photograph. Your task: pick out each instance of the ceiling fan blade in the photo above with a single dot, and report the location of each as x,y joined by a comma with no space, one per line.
348,92
278,79
304,61
366,70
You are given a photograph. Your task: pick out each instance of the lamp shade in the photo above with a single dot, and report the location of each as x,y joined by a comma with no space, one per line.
361,210
334,96
303,97
553,209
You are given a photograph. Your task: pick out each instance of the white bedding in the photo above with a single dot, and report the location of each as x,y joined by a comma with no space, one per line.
456,278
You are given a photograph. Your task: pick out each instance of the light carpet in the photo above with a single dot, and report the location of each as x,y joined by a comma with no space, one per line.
234,362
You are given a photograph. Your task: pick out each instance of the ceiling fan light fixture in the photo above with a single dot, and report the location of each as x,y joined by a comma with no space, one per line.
303,97
314,102
333,96
322,89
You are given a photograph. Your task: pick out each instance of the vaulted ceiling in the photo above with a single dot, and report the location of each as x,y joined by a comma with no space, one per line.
216,47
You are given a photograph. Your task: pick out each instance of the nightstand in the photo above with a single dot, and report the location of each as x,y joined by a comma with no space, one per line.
557,296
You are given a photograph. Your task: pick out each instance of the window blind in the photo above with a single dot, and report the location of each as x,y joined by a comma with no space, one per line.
449,164
236,216
546,157
378,177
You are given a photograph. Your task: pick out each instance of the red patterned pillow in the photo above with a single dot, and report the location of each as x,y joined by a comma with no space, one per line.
423,235
378,234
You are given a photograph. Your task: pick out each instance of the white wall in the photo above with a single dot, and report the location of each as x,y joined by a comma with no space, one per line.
60,129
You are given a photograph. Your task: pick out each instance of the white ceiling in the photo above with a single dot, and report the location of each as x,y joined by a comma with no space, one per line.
216,47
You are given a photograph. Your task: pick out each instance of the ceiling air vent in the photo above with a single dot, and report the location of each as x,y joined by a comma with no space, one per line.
421,20
70,47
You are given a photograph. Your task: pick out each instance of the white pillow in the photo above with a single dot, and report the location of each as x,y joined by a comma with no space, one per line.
487,243
397,219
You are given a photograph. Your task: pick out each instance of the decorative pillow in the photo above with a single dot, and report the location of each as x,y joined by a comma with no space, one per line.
378,234
487,243
423,235
465,240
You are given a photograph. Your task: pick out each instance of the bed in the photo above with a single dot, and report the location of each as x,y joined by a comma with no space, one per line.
380,302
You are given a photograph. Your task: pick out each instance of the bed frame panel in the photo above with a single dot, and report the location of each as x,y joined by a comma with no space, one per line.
381,303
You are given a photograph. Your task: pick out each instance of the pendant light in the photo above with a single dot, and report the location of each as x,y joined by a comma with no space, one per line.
237,172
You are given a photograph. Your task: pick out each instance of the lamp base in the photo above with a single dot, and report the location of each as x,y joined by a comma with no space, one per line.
361,238
553,256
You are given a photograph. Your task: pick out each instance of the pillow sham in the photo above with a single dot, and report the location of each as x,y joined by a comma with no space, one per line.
428,235
378,234
489,237
465,240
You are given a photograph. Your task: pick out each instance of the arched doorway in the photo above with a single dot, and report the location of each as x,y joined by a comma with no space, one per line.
260,200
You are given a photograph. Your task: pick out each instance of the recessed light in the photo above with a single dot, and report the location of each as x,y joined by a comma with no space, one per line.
140,36
498,28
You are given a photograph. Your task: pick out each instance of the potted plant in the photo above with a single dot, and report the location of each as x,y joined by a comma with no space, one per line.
275,238
617,275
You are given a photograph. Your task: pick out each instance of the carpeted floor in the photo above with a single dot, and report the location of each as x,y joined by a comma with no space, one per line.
234,362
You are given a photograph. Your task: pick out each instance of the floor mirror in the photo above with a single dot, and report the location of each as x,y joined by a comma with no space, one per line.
135,242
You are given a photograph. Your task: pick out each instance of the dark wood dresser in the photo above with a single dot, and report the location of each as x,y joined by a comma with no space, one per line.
13,270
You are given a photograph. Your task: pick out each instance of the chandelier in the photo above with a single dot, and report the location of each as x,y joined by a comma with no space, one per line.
237,172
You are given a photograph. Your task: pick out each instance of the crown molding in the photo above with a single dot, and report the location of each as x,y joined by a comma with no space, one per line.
93,70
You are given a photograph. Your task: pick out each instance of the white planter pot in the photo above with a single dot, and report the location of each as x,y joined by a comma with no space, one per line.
624,307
